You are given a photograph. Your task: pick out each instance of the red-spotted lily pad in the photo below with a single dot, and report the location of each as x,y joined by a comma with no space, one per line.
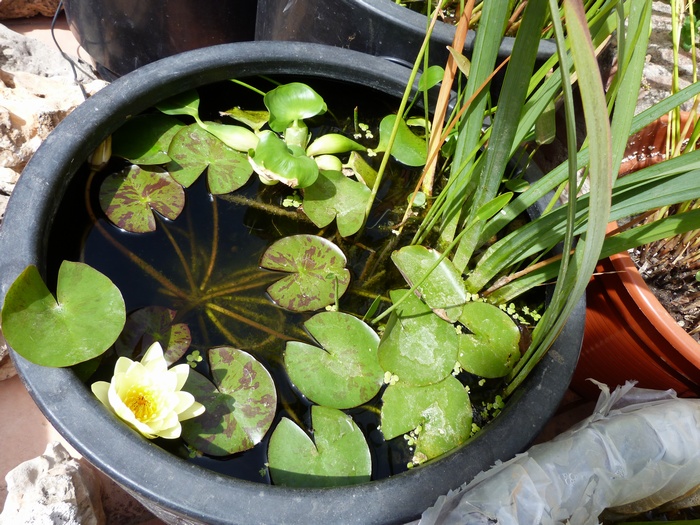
442,287
82,322
335,196
344,373
338,454
417,346
492,349
240,403
317,274
193,150
438,416
149,325
129,198
144,139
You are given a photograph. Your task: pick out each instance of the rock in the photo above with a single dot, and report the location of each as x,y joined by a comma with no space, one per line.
27,8
53,489
7,369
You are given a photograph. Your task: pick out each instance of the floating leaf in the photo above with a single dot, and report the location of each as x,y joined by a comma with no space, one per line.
364,172
408,148
193,150
235,137
333,143
240,403
290,102
443,289
274,161
144,139
253,119
186,103
334,196
344,373
81,323
417,345
318,276
439,416
337,456
130,196
153,324
492,349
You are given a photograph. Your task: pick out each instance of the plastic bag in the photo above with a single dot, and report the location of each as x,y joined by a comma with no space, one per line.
639,450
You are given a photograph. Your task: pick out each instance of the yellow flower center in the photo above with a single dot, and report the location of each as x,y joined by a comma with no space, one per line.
142,402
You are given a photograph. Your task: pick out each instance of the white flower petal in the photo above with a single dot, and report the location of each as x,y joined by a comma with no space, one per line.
193,411
153,358
182,372
123,364
171,433
101,390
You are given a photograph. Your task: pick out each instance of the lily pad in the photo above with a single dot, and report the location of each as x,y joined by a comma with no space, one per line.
290,102
335,196
240,403
82,322
443,290
144,139
408,148
275,161
193,150
439,416
344,373
317,274
130,196
492,349
185,103
153,324
338,455
417,346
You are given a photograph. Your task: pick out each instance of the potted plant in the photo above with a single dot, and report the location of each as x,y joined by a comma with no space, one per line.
181,489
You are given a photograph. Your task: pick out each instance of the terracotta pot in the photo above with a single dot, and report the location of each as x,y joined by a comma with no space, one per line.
629,335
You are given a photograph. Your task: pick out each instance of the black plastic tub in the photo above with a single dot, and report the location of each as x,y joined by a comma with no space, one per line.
177,491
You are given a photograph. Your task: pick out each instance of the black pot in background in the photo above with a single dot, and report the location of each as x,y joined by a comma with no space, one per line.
121,35
171,487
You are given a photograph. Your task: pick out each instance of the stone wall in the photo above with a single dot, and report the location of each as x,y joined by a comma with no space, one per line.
26,8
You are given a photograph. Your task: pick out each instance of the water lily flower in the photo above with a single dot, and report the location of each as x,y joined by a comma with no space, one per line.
148,396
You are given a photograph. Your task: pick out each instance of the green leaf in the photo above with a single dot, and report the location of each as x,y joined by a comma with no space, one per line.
463,63
431,77
409,148
81,323
443,290
344,373
335,196
290,102
144,139
333,143
362,170
439,416
193,150
253,119
274,161
235,137
417,346
130,196
337,456
240,403
149,325
318,276
491,350
186,103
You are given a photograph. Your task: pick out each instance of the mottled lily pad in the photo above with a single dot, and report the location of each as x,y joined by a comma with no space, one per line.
335,196
438,415
82,322
129,198
338,455
492,349
417,345
240,403
145,139
149,325
317,274
344,373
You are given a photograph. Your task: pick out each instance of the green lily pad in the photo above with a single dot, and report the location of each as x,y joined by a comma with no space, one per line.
149,325
186,103
318,276
290,102
344,373
439,416
417,346
492,349
144,139
193,150
335,196
443,290
408,148
82,322
275,161
129,198
240,403
338,455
